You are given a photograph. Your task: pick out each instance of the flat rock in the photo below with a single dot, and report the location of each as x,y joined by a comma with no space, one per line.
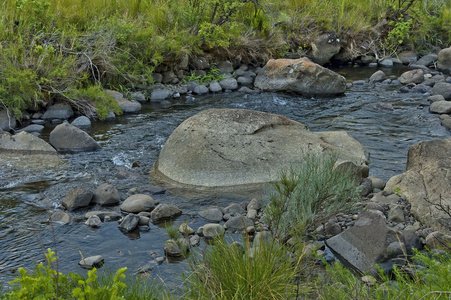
367,243
61,217
138,203
426,181
24,142
91,262
32,128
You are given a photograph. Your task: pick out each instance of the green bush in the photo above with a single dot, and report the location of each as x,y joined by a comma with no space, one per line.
47,283
429,278
228,271
306,192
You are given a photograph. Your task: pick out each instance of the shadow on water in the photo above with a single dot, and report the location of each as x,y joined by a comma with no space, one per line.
386,122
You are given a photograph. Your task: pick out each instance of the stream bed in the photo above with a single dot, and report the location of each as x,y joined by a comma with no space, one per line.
385,121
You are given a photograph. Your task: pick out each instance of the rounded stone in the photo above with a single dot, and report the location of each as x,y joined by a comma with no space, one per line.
106,194
138,203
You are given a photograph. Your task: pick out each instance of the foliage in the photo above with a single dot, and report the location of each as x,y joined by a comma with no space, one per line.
315,188
429,278
212,75
399,33
52,46
47,283
94,94
228,271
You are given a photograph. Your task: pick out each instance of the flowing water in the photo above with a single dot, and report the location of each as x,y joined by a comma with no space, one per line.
29,189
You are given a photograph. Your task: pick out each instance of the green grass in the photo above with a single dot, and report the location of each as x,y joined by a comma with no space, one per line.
308,192
45,282
50,47
227,271
430,279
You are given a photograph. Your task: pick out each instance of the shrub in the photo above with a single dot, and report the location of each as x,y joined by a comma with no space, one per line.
228,271
428,278
313,189
47,283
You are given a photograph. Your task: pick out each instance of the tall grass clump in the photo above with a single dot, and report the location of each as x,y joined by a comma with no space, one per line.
310,191
231,271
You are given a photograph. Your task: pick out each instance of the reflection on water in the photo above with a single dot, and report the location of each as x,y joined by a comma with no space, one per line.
30,188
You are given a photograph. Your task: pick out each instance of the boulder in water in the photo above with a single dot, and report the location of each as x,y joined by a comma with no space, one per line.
232,147
299,76
66,137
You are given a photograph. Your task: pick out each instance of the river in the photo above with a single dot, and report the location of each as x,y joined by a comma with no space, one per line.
130,146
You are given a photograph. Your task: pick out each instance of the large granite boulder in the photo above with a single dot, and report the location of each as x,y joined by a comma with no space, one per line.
325,47
444,60
24,142
66,137
426,182
299,76
231,147
368,243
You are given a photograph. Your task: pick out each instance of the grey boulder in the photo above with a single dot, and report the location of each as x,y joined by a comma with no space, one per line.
442,88
106,194
299,76
163,212
211,214
369,243
60,111
77,197
426,181
129,223
82,122
444,60
66,137
138,203
235,147
24,142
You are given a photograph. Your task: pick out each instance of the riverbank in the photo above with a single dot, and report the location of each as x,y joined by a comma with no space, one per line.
58,51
